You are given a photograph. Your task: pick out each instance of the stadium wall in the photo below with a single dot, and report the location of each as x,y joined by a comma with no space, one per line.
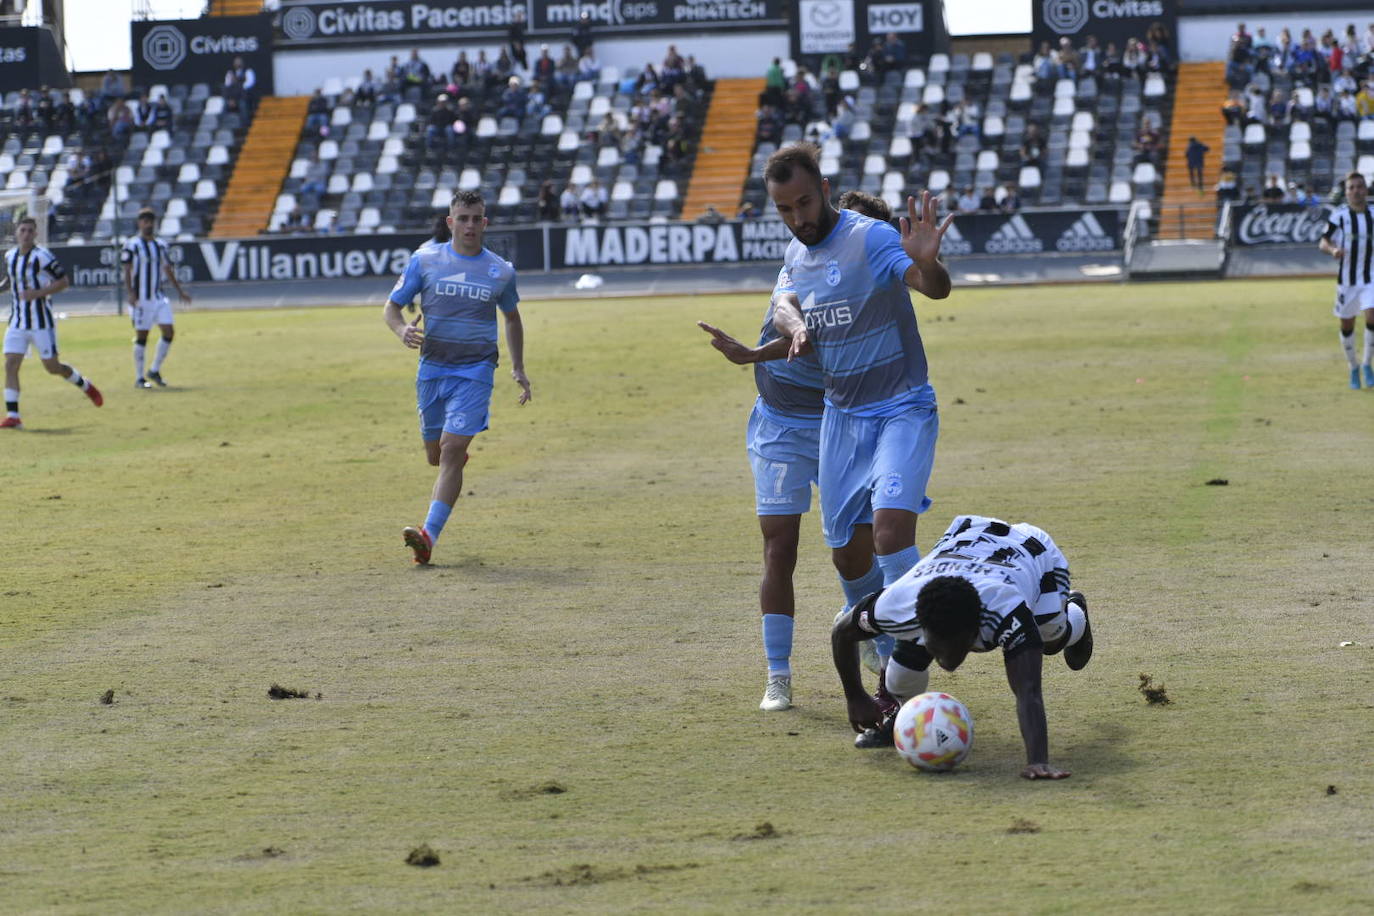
1208,37
723,55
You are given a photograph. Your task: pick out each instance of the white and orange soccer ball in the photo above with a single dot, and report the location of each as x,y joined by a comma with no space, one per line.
933,732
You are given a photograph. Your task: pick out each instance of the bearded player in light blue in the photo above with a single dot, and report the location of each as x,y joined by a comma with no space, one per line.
850,275
461,286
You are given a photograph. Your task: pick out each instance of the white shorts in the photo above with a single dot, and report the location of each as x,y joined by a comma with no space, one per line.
44,341
148,312
1351,300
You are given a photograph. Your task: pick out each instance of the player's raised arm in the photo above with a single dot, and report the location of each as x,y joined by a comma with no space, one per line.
921,237
845,637
788,320
1023,674
515,341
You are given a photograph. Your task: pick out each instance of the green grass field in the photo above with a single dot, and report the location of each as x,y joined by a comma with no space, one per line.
565,706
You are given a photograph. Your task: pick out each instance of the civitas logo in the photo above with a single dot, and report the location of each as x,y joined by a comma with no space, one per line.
298,22
1067,17
164,47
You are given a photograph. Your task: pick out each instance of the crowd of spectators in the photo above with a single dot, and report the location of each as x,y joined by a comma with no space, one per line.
1335,76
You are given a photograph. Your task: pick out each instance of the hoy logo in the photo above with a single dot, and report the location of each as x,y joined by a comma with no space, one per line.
895,17
1067,17
164,47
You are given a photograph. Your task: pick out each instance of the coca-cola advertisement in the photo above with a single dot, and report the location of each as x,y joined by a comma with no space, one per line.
1278,224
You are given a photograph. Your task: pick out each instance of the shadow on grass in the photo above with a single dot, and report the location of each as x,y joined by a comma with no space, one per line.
52,431
474,569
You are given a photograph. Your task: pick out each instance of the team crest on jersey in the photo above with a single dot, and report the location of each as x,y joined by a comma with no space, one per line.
832,273
892,486
493,271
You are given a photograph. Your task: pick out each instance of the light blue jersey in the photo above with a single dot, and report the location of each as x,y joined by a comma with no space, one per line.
459,296
858,311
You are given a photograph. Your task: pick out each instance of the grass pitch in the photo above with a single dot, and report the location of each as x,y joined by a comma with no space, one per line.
563,709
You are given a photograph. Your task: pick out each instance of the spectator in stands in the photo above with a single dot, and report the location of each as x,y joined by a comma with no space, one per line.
545,67
1111,62
1090,57
1233,109
23,109
747,210
606,132
43,109
695,76
1066,60
588,67
513,100
1195,155
1250,198
1157,59
1011,198
143,112
987,203
1146,146
1347,109
964,118
1273,190
712,216
1364,100
686,106
548,202
537,103
439,130
1032,146
1255,107
770,124
414,72
830,90
1324,106
503,68
565,72
1133,59
1367,42
461,71
1343,81
677,145
482,71
465,115
112,87
568,202
1226,187
316,112
121,119
162,113
296,221
894,53
368,89
1276,115
1261,50
1157,32
774,84
674,69
1305,66
582,34
647,81
515,39
967,202
1043,64
1241,43
64,113
594,200
240,86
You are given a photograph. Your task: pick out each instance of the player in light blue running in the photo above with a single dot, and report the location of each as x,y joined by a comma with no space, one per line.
461,285
783,442
850,275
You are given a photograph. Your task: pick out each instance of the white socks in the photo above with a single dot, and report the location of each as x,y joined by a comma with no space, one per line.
163,345
140,350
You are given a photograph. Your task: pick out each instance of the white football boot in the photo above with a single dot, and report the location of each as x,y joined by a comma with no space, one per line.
778,695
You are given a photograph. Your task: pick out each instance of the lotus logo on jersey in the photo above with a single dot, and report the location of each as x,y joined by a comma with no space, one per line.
954,242
298,22
1086,234
824,316
459,285
832,273
1014,237
164,47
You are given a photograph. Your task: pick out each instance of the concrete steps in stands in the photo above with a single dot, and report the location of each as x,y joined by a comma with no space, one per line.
727,145
1199,92
262,166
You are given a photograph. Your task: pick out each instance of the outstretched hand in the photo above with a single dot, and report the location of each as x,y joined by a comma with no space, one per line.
731,348
921,235
1043,771
864,712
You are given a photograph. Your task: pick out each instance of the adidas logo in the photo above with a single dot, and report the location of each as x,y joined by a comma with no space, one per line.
954,242
1086,234
1014,237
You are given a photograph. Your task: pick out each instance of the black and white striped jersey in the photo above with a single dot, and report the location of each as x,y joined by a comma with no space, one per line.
31,270
149,258
1355,233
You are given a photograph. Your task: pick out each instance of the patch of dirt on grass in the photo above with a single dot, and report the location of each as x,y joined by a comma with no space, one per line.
422,857
1310,887
764,831
267,852
1021,825
1218,482
575,875
278,692
107,698
1154,694
547,787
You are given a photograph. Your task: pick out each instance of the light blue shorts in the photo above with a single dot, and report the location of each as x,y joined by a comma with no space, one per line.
870,463
450,404
784,460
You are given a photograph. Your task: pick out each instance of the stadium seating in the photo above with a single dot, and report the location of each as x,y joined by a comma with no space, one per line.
178,171
1089,127
377,170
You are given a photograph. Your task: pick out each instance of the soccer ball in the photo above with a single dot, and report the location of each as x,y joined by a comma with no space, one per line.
933,732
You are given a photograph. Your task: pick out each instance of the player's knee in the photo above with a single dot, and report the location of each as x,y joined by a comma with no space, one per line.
780,552
53,366
452,454
167,335
903,682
